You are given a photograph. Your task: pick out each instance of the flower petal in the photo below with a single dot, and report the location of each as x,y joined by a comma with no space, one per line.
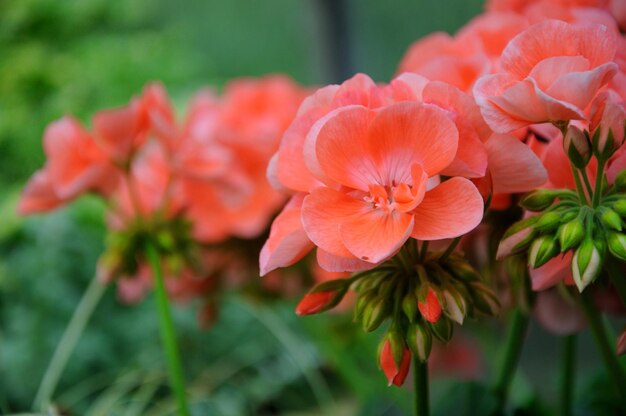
449,210
514,167
323,210
375,235
407,133
287,242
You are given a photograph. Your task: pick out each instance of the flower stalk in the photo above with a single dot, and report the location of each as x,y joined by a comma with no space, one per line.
605,347
509,358
168,334
420,385
567,379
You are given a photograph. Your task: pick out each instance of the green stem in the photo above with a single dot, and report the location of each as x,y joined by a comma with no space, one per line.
598,189
605,347
509,358
167,332
579,186
583,173
450,248
68,342
566,381
617,278
420,385
423,252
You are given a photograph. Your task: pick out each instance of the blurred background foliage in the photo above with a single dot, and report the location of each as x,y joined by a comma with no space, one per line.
60,57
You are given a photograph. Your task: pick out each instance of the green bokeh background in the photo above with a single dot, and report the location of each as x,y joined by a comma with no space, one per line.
76,57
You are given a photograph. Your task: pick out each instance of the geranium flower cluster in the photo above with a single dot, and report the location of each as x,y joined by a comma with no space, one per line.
376,171
189,185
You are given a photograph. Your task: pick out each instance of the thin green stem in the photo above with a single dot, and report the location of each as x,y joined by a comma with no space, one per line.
450,248
509,357
598,189
583,173
579,186
168,334
605,347
617,277
68,342
420,385
566,380
424,251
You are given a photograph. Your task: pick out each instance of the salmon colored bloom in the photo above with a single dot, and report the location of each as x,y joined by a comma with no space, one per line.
544,79
75,165
375,166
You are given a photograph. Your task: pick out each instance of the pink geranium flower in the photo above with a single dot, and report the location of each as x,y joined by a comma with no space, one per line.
545,79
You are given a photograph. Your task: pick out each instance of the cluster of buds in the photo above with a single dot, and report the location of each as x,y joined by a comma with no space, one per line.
587,223
421,299
172,237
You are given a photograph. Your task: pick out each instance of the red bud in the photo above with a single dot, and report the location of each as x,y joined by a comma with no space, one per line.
395,375
621,343
431,308
313,303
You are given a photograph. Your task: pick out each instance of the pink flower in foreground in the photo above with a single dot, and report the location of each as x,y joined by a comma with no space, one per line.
545,79
375,166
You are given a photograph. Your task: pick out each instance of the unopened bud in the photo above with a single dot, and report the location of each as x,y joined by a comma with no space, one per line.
586,263
538,200
461,269
603,143
542,250
485,300
409,306
620,205
419,340
454,305
571,234
548,221
517,237
363,300
323,297
617,245
442,329
313,303
577,147
395,370
610,218
374,314
429,306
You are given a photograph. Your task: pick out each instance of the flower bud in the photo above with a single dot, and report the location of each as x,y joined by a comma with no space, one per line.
322,297
375,313
419,340
610,218
542,250
442,329
586,263
363,300
395,370
313,303
517,237
548,221
538,200
484,299
570,234
454,305
577,147
621,343
462,270
409,306
620,205
429,306
604,143
617,245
